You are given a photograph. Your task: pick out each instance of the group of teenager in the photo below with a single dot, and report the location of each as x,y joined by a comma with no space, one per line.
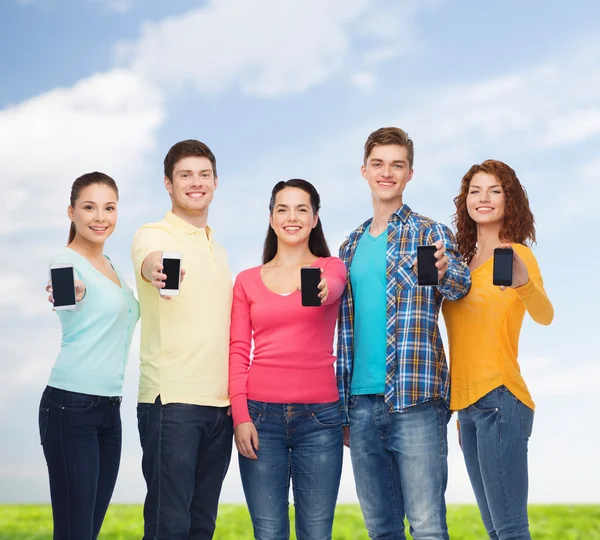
250,363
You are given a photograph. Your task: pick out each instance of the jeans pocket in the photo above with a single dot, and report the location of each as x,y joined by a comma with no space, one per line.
490,403
255,411
43,418
526,417
143,414
329,417
76,402
352,402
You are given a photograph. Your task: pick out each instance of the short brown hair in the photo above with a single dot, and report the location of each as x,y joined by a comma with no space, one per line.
519,223
182,149
390,135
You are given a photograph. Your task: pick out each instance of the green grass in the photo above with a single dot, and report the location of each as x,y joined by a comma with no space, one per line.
124,522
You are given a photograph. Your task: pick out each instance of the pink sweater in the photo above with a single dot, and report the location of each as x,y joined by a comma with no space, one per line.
293,359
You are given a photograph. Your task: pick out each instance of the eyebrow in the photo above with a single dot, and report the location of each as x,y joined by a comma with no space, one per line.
94,202
394,161
190,171
286,206
479,187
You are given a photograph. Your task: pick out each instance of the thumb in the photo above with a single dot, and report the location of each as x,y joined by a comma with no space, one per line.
255,442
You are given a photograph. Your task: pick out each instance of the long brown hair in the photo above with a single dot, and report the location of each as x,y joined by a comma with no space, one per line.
316,241
84,181
519,223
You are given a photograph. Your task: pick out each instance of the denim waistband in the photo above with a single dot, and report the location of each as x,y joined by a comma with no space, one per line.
52,391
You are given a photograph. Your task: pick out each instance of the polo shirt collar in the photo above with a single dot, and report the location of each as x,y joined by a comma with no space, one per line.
188,228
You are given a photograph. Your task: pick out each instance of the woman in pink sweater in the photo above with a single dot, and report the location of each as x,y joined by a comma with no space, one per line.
284,396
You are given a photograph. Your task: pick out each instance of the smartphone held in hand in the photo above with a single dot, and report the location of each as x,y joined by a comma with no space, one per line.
171,262
310,277
62,278
503,265
427,272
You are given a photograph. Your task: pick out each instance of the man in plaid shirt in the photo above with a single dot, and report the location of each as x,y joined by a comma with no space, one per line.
391,369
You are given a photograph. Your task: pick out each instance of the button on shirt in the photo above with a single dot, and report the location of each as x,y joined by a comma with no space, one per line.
184,353
96,335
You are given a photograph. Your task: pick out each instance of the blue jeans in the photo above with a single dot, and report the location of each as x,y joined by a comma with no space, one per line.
301,442
186,453
81,438
400,463
494,434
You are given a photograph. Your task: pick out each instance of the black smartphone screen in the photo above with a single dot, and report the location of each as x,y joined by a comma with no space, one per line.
63,286
309,283
172,268
427,273
503,264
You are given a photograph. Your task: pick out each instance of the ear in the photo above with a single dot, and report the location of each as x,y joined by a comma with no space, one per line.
363,171
216,182
315,221
169,185
270,220
70,212
410,175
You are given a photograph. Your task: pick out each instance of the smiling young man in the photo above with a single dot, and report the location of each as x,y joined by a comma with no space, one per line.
185,429
392,371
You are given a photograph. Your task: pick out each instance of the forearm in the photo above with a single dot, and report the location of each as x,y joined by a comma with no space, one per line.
536,302
456,281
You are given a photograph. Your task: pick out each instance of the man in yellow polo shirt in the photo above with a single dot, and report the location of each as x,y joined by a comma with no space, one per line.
183,418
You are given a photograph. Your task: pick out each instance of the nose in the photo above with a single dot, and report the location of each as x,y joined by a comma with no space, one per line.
387,170
99,217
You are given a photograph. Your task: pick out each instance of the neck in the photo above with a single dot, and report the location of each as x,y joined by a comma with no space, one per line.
197,219
292,255
382,210
90,250
488,236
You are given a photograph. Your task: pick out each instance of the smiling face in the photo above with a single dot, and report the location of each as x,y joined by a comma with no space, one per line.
485,199
95,213
387,171
293,218
193,186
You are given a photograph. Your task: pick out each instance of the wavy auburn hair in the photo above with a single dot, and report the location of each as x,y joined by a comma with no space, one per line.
519,224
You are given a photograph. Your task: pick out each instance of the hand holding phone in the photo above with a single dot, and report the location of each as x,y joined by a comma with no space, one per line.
310,277
171,263
503,267
62,279
427,271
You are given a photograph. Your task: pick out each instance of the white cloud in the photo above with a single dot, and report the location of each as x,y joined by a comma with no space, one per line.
363,80
105,122
267,48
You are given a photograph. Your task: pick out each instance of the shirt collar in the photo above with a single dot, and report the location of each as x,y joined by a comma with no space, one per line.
188,228
403,213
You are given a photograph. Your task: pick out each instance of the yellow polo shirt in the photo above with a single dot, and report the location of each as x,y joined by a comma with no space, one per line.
184,352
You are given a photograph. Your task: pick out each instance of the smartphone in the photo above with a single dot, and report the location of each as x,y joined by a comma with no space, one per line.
503,265
427,272
62,277
310,277
172,269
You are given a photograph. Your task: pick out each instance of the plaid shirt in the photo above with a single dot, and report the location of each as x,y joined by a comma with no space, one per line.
416,368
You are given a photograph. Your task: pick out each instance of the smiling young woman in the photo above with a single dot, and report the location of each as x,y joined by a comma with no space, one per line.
285,403
79,416
495,409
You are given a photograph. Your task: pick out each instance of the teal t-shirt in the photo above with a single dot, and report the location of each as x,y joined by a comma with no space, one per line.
368,281
96,336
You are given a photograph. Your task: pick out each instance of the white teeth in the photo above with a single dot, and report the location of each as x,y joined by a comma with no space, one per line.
196,195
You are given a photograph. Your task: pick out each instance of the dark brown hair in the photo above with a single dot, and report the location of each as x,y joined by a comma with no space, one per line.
81,183
390,135
316,241
182,149
519,224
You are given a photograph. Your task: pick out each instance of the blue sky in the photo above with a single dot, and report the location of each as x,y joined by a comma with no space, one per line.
292,89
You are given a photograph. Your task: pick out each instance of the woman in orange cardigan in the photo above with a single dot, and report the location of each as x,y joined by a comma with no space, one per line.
495,409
